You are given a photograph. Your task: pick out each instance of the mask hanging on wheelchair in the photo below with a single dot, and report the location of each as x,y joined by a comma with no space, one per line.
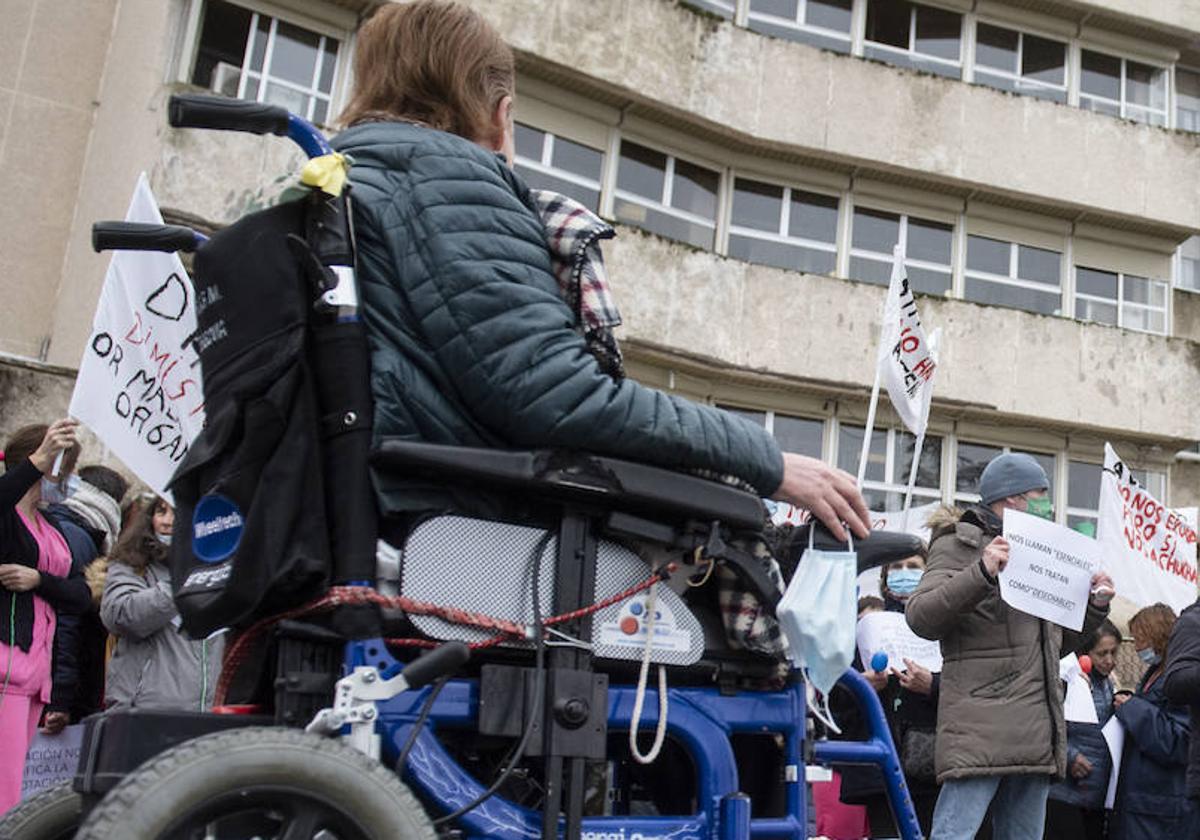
817,614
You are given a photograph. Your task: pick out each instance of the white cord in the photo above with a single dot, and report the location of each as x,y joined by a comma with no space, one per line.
660,733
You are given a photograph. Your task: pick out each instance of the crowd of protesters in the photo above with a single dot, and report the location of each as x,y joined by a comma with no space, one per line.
89,622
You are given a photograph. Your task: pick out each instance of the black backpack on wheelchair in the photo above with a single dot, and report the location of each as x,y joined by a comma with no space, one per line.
277,539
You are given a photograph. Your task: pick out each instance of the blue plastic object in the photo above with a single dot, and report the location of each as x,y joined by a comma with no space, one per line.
701,720
879,662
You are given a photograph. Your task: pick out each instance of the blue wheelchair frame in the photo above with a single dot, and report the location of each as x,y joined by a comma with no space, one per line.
701,719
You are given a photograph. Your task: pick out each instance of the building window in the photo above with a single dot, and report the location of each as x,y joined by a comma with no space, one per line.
1122,300
1187,274
1008,274
549,162
1187,99
911,35
888,464
1020,62
926,245
254,56
783,227
794,434
1083,493
822,23
973,457
667,195
1123,88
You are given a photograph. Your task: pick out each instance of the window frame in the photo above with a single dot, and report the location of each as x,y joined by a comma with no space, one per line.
1123,104
545,166
1177,268
719,208
781,237
325,21
1013,279
895,209
891,484
1018,78
802,12
911,53
1120,301
1144,477
1174,96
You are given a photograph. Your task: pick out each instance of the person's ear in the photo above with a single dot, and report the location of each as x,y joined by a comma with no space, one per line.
503,140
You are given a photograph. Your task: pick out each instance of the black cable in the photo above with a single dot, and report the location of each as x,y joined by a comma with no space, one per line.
539,689
426,708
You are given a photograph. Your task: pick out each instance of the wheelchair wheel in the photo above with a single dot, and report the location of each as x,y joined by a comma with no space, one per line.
263,782
50,815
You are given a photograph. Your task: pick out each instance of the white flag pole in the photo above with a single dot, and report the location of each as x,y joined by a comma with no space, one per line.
866,446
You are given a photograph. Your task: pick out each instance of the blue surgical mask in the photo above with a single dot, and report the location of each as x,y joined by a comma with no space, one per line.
904,581
165,539
1148,656
818,615
57,492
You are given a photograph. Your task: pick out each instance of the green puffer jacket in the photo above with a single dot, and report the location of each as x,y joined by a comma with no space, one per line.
1000,708
471,343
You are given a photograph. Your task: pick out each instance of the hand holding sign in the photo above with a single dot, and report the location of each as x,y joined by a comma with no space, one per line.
995,556
60,437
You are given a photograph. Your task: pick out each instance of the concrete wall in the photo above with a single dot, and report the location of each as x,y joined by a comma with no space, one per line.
52,56
858,111
1059,369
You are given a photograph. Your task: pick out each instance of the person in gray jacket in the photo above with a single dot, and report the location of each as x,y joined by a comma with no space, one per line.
1001,736
155,664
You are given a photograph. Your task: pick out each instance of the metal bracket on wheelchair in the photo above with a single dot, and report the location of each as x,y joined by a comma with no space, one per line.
354,704
344,292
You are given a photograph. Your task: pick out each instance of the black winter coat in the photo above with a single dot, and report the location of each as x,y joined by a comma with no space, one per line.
1151,799
1086,739
1183,683
76,636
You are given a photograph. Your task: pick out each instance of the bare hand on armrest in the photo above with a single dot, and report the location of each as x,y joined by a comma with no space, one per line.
829,493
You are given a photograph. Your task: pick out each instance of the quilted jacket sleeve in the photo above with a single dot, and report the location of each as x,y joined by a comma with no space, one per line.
477,272
1183,659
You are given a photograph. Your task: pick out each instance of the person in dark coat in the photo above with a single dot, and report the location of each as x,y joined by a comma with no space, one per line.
1182,684
1076,804
472,342
1152,801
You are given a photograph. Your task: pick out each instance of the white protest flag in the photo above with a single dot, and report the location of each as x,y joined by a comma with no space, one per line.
1149,551
905,357
138,389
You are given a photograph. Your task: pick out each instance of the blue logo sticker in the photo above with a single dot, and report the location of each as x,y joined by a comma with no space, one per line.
216,528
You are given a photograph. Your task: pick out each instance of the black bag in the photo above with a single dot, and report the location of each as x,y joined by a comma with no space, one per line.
917,753
253,535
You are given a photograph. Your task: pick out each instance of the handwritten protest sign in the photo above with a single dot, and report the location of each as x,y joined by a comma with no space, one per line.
888,632
138,387
51,760
1150,551
906,360
1049,569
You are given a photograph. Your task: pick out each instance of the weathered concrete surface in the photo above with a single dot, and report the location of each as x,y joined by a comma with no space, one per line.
1059,369
52,56
861,112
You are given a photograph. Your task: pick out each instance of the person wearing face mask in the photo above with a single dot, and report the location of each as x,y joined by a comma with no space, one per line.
908,693
1152,801
1001,735
155,664
36,585
1076,804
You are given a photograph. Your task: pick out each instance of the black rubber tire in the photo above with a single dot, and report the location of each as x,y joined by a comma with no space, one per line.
155,797
53,814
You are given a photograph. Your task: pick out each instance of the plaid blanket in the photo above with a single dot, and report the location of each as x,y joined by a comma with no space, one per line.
574,233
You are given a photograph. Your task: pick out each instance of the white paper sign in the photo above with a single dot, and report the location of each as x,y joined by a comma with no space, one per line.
51,760
889,632
138,389
1150,551
1049,569
1077,706
1114,736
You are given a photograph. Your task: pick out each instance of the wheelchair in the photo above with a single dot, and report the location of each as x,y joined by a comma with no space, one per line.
541,635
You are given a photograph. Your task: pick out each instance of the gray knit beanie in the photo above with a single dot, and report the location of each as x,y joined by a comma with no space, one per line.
1011,474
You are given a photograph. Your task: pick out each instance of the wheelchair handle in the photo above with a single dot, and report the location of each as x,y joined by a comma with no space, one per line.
194,110
142,236
439,662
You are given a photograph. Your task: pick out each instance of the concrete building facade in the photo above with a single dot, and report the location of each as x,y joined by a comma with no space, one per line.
1038,159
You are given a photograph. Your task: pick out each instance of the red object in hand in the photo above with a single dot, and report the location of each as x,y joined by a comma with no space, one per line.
1085,664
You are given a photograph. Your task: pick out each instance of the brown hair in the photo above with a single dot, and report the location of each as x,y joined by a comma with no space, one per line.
25,441
431,62
1155,623
138,547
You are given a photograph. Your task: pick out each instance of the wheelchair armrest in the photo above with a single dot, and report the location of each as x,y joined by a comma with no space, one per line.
609,483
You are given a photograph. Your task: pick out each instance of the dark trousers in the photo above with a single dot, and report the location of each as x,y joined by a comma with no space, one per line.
1068,822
